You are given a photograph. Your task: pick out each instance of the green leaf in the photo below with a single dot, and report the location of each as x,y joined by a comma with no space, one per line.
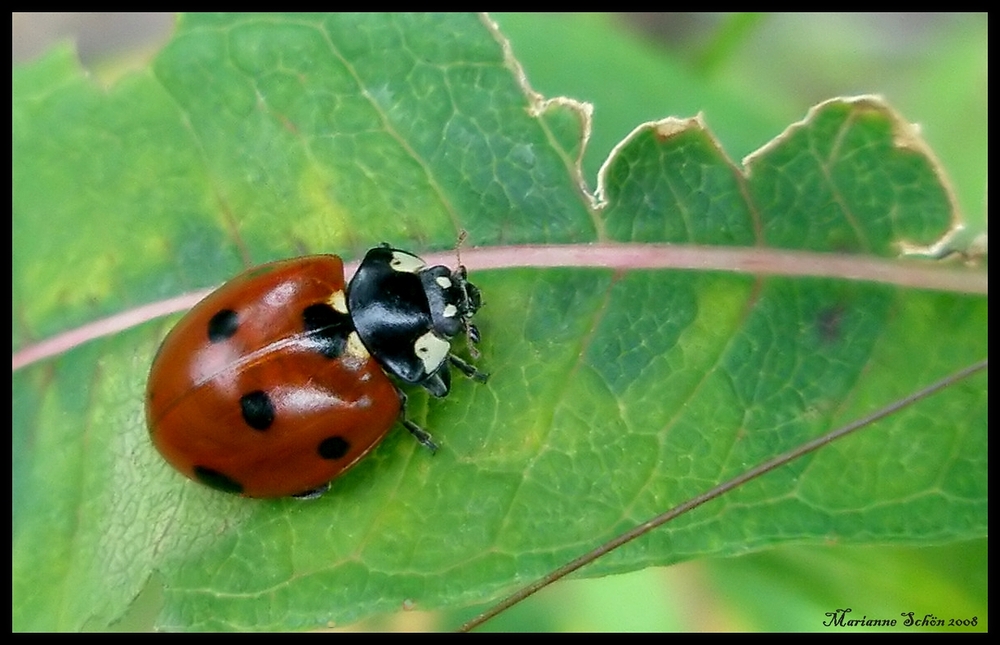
615,393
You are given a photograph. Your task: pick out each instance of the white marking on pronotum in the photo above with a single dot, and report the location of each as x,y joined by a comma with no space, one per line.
432,351
450,311
443,281
405,262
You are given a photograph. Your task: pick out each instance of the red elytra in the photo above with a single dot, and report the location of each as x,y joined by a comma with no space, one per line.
262,389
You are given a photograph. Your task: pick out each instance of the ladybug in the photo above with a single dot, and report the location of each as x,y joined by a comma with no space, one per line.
279,381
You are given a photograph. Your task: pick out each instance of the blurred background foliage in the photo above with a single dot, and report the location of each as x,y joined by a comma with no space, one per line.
750,75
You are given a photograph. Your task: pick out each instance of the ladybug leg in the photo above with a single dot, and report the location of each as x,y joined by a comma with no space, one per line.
467,369
314,493
438,383
418,433
471,339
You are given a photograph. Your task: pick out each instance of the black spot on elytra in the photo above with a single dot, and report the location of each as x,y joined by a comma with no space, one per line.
333,447
257,409
326,328
217,480
223,325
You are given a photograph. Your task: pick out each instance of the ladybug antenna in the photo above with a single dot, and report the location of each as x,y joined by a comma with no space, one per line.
471,338
469,294
462,236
